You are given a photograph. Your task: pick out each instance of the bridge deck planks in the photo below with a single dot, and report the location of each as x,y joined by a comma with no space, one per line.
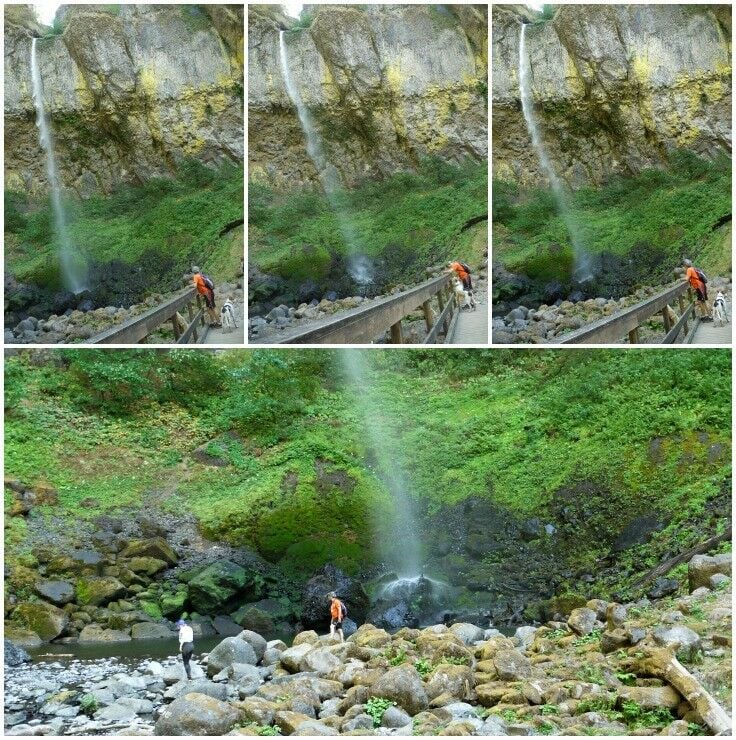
471,327
707,333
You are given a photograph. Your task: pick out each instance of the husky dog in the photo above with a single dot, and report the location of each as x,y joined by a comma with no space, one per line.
720,311
227,313
464,297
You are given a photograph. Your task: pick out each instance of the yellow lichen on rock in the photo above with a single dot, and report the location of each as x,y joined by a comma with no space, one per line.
148,82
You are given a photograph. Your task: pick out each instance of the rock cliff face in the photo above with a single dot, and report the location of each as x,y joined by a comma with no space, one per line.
386,85
131,90
615,88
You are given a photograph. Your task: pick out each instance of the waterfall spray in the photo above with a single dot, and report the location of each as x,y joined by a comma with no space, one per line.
359,266
70,270
583,268
397,538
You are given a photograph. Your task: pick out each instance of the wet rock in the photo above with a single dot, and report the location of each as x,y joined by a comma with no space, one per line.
57,592
15,655
315,604
226,626
96,633
150,631
213,587
96,591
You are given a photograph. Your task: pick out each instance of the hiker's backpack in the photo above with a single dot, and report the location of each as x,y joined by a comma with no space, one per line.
343,610
701,275
208,282
465,267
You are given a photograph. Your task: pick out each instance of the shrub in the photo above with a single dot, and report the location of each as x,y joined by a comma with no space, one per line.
376,707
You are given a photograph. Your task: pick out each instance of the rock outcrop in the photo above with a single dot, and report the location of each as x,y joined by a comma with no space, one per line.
131,90
615,87
386,86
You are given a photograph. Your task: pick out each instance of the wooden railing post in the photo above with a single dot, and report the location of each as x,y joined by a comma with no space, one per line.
427,308
396,335
681,303
666,318
190,313
634,336
175,324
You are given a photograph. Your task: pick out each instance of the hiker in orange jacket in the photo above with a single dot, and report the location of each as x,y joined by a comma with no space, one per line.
463,273
697,282
206,288
337,615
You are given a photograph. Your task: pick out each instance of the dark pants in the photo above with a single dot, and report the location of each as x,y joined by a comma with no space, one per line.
186,655
468,284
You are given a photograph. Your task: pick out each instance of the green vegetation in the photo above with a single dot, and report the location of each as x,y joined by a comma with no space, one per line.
424,667
376,708
412,219
163,225
89,704
656,217
514,427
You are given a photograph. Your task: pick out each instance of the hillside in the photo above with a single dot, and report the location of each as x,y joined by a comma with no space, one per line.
548,476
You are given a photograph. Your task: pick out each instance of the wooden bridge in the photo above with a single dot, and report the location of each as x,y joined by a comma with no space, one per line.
442,316
626,323
192,329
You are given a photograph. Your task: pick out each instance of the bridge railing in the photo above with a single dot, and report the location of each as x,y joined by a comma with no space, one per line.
613,328
136,330
363,324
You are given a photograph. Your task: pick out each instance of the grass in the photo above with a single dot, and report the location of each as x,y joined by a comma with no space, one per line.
163,225
412,220
656,217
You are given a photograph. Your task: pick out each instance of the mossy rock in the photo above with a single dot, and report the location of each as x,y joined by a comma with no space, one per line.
172,604
46,620
155,547
152,609
21,636
218,583
146,565
564,603
97,591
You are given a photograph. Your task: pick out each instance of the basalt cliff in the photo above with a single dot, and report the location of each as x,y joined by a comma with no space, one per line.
387,85
132,90
616,88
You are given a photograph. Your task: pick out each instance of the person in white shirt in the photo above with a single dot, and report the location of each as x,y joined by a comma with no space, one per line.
186,644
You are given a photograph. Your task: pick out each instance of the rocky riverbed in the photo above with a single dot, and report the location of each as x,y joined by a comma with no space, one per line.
262,329
80,324
547,323
603,668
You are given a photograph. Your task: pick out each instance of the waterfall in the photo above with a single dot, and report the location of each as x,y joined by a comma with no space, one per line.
397,532
359,265
583,268
70,270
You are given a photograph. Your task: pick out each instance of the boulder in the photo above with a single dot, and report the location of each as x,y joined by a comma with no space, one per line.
197,686
314,597
289,722
15,655
314,728
226,626
196,714
151,631
702,567
320,661
684,641
582,620
404,686
511,665
146,565
650,697
468,633
454,680
46,620
98,590
395,717
57,592
525,636
216,585
172,604
257,642
21,636
663,587
231,650
95,633
154,547
291,659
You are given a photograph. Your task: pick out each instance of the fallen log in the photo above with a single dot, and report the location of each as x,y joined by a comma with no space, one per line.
665,567
661,663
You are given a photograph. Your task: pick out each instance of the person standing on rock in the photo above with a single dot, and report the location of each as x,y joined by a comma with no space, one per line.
338,612
186,645
206,288
697,281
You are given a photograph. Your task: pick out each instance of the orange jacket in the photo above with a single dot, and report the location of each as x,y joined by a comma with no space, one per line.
459,271
199,283
694,280
336,610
